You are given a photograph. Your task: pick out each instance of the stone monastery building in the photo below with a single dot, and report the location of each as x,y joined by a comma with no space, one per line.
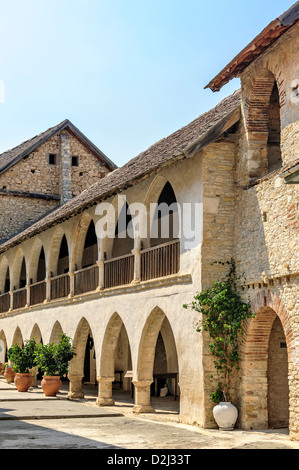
120,298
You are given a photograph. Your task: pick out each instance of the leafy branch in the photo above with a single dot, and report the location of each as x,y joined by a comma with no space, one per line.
223,313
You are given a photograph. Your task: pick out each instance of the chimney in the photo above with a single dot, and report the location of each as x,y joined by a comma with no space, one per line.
66,177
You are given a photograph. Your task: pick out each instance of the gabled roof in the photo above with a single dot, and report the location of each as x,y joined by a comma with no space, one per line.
259,44
181,144
13,156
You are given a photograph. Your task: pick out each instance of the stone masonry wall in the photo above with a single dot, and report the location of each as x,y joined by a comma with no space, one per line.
34,174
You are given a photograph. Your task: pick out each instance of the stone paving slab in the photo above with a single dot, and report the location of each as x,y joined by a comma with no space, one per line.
50,409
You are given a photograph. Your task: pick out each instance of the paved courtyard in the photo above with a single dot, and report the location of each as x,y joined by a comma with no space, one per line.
31,421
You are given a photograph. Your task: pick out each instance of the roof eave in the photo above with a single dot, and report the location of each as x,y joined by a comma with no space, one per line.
255,48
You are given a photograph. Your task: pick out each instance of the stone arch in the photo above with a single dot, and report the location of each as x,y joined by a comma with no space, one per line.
34,261
18,337
262,117
56,333
79,241
80,339
18,263
152,197
76,370
111,336
156,322
4,273
108,358
57,238
3,345
255,357
36,334
143,376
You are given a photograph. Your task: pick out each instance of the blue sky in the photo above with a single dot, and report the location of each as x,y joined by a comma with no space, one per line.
126,72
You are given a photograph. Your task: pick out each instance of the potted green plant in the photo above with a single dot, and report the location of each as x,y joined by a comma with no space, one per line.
222,314
53,360
23,359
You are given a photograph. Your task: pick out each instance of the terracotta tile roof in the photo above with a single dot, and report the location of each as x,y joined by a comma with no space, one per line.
162,153
11,157
259,44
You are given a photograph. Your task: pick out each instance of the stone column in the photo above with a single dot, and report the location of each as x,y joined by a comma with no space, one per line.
27,291
105,391
137,261
101,267
48,289
72,284
75,390
143,396
65,162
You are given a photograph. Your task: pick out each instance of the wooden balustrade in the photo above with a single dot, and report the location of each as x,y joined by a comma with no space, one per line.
86,280
119,271
160,261
4,302
60,286
38,292
19,298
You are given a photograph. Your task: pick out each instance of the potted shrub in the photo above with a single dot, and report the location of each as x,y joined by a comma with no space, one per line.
23,359
9,374
222,314
53,360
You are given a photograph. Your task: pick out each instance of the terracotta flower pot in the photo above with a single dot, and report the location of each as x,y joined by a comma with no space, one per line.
9,375
23,382
51,385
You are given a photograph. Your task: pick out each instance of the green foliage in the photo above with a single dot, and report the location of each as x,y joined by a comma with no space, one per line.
223,312
23,358
54,359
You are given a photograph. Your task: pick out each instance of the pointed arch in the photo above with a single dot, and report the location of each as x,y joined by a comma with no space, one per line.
37,269
56,333
36,334
80,339
3,345
19,269
18,337
4,275
262,117
58,238
268,309
85,237
156,322
109,346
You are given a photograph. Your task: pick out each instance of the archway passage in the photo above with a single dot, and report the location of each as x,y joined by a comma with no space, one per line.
277,374
265,393
157,368
115,361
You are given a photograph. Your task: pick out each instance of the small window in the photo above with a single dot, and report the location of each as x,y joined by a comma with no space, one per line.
75,161
52,159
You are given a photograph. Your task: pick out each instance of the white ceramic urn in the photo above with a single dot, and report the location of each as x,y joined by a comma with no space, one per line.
225,415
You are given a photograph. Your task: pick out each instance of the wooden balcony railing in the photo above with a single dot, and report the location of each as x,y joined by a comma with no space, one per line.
4,302
19,298
160,261
60,286
38,292
86,280
119,271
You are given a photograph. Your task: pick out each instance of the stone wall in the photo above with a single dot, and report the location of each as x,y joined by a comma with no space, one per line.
34,175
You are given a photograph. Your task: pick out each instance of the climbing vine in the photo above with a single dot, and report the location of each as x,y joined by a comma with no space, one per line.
222,314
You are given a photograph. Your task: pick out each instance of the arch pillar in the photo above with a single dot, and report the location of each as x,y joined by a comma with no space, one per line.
142,397
105,391
75,386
